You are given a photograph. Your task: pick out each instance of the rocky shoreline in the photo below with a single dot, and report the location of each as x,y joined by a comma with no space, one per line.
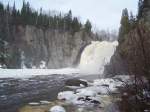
73,93
83,96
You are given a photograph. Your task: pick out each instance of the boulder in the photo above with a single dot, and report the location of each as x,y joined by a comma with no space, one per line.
76,82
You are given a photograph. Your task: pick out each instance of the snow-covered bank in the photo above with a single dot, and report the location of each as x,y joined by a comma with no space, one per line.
96,93
27,73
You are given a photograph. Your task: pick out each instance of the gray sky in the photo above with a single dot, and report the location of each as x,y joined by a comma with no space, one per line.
104,14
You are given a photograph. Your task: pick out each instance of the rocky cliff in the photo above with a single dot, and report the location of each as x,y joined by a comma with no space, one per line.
133,53
35,46
117,66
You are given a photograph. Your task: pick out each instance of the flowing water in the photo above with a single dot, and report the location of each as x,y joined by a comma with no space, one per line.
96,56
20,87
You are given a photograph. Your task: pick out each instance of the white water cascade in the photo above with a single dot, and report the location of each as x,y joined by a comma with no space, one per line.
95,56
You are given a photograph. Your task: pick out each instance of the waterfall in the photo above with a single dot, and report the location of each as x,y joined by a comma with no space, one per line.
23,66
95,56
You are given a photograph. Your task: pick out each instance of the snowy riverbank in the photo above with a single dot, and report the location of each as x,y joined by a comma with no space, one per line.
28,73
98,95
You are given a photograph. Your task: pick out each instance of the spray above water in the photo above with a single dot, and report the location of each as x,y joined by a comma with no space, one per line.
96,56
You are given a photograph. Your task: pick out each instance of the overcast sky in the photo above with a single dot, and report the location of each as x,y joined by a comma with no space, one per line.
104,14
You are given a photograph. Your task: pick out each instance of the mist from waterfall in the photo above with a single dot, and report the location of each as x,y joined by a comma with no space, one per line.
96,56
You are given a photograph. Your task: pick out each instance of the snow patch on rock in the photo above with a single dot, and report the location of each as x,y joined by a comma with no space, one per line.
91,94
57,109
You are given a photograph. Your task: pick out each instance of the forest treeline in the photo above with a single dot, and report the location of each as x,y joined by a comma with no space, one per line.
28,16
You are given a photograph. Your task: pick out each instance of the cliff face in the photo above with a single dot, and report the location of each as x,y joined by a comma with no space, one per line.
57,49
117,66
133,53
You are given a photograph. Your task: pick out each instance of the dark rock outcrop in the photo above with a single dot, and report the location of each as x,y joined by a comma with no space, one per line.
117,66
76,82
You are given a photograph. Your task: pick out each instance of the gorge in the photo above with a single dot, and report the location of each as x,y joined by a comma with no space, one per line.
55,62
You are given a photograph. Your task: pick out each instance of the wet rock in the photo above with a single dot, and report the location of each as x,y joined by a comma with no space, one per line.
76,82
95,102
89,100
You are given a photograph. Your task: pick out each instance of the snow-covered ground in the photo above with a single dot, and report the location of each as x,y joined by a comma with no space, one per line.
27,73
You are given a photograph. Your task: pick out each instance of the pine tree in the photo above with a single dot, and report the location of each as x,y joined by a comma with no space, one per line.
2,34
75,25
88,26
140,9
68,20
1,7
125,25
132,20
14,14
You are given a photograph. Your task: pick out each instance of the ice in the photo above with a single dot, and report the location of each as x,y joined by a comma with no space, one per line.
92,93
108,82
57,109
86,92
34,103
74,87
42,65
66,95
27,73
44,102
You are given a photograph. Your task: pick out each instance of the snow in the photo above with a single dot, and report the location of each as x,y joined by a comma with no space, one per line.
86,92
108,82
34,103
123,77
27,73
96,56
74,87
57,109
42,65
66,95
44,102
98,88
23,66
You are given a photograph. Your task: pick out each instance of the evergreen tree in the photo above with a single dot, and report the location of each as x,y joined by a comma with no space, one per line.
68,20
133,21
125,25
88,26
14,14
1,7
140,9
23,12
75,25
2,34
